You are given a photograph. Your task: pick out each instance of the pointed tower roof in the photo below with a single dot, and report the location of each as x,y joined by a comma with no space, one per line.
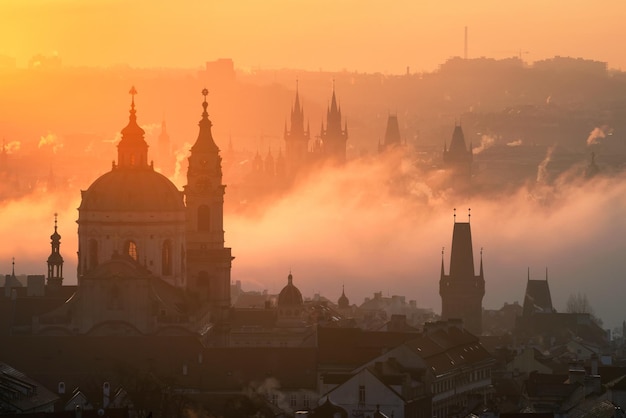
462,256
343,301
297,118
205,142
392,133
537,297
457,145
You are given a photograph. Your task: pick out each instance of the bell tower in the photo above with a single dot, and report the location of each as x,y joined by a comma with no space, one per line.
296,139
334,138
462,290
208,260
55,260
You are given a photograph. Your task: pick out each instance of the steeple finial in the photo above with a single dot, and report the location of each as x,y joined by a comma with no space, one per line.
546,274
205,114
55,221
454,215
13,267
469,214
132,92
528,274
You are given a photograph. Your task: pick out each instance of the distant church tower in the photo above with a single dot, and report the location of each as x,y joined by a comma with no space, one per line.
457,157
55,260
334,139
296,139
208,261
392,134
462,291
164,150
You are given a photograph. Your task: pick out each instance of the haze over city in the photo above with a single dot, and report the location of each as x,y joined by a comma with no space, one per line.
365,36
312,208
342,226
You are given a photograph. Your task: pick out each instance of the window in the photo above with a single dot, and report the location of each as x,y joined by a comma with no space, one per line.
305,401
130,248
204,218
274,399
293,401
93,254
361,394
166,258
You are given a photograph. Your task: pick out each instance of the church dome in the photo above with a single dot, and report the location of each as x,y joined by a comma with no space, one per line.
132,185
133,190
290,295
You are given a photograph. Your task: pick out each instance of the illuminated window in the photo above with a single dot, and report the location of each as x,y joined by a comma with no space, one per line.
204,218
166,258
130,248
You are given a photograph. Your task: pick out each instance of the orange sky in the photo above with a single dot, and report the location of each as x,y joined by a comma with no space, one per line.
363,35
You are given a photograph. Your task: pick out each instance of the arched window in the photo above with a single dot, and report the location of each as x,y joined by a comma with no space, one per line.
130,248
166,258
204,218
93,254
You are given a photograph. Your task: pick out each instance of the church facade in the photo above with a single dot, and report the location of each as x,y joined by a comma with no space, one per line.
151,258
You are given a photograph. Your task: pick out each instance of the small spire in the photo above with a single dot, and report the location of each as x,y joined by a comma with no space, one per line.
55,221
13,267
205,114
132,92
481,262
546,274
454,215
469,214
133,112
528,279
442,269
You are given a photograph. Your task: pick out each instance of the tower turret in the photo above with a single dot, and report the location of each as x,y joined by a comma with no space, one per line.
165,158
392,134
55,260
458,158
132,150
462,290
334,138
208,260
297,138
